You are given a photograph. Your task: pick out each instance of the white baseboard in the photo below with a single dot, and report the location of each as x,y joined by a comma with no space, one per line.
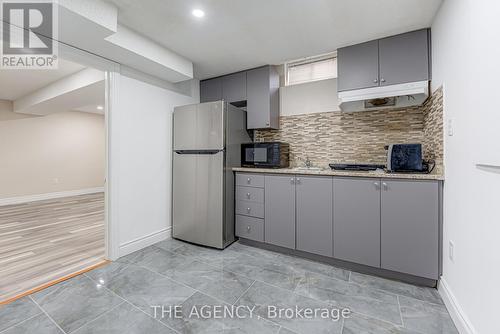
143,242
42,197
460,319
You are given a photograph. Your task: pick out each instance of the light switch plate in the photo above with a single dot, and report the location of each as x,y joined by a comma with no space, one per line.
451,251
450,127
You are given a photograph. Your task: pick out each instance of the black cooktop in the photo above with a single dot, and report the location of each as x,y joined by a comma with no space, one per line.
356,167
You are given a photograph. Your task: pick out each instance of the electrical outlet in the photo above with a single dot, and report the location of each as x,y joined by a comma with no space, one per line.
451,251
450,127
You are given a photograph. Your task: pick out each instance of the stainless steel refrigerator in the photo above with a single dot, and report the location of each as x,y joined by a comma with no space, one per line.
206,145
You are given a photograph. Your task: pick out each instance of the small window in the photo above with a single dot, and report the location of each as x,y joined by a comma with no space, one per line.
311,69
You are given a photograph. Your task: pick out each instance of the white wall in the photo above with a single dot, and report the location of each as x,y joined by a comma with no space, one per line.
308,98
466,57
64,151
6,113
142,132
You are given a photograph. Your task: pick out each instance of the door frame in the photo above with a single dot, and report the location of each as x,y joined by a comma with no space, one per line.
112,79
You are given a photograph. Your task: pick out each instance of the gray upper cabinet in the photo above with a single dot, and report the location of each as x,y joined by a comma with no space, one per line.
234,87
394,60
211,90
258,87
262,98
358,66
356,220
279,193
404,58
314,215
410,227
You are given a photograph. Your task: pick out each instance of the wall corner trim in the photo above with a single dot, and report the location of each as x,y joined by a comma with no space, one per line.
47,196
458,315
145,241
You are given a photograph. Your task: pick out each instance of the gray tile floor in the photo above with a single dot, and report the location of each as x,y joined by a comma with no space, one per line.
118,298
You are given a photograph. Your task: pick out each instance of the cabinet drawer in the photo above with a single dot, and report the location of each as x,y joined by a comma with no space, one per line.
251,209
250,194
250,180
250,228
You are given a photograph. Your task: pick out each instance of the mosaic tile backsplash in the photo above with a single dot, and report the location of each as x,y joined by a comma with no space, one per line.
360,137
433,128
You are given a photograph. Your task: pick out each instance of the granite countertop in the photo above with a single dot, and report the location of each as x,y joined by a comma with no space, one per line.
329,172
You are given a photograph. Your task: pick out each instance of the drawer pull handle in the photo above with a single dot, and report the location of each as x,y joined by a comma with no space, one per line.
248,210
249,180
248,195
248,228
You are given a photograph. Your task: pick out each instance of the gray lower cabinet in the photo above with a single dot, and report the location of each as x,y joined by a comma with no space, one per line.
250,180
382,223
410,227
279,222
314,214
247,208
211,90
250,194
356,220
249,228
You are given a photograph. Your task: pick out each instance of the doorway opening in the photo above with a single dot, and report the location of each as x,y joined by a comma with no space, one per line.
53,171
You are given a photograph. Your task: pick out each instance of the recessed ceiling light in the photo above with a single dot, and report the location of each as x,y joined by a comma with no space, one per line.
198,13
100,108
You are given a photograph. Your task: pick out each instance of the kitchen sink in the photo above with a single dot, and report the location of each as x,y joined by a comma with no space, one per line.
312,169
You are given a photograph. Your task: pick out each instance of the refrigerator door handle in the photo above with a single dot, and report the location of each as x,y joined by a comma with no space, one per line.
209,152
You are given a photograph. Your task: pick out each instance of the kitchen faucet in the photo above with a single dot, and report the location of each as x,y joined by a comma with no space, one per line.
307,162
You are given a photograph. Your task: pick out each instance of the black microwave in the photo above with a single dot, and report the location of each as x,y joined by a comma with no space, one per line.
265,154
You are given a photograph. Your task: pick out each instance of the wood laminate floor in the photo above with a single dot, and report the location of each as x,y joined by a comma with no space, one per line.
45,240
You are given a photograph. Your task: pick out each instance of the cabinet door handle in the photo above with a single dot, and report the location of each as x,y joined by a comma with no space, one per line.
292,180
298,180
375,81
385,186
377,185
248,210
382,80
248,228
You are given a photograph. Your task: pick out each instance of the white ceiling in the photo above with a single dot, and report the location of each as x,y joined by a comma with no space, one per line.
240,34
93,108
80,99
18,83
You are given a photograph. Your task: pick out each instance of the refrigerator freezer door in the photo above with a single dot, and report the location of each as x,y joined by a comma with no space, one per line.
198,198
199,127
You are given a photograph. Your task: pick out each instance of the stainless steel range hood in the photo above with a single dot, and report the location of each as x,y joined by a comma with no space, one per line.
394,96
